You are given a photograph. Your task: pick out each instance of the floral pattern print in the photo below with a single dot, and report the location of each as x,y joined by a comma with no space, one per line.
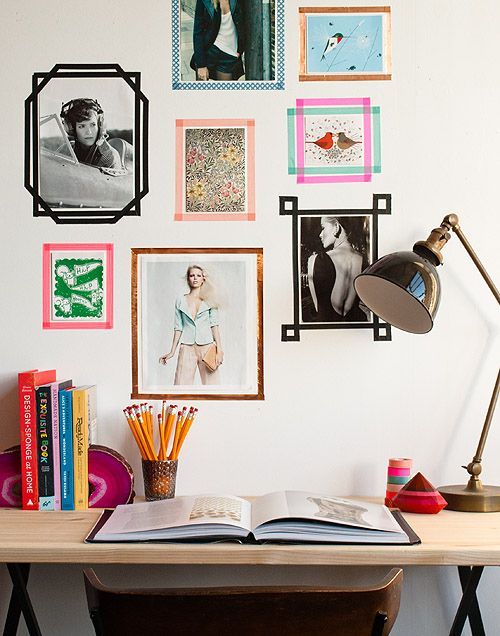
215,161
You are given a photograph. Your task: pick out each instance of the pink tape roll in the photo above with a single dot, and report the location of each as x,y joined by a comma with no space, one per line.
398,472
399,467
400,462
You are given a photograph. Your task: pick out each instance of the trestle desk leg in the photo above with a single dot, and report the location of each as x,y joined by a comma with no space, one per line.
469,606
20,602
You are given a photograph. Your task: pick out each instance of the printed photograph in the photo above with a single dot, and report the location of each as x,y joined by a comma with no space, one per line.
333,251
77,286
334,140
86,143
336,44
228,43
215,170
197,323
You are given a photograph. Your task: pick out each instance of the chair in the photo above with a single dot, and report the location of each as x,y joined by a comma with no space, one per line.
245,611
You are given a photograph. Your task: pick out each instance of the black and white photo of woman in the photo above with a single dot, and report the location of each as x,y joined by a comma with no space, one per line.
334,250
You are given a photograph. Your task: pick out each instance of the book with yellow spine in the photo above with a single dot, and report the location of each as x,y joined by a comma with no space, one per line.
84,433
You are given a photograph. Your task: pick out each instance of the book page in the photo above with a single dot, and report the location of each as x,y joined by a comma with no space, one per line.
181,511
323,508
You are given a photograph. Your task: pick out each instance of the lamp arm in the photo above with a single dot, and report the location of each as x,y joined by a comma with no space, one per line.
486,427
450,222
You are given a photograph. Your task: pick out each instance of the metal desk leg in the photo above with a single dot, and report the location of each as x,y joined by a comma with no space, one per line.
469,579
14,611
20,602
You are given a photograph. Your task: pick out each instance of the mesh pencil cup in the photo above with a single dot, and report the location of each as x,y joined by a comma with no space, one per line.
159,478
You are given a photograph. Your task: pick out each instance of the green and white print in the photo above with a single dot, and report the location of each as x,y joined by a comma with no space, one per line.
78,288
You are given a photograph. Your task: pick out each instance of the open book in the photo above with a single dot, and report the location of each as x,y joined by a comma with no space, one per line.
287,516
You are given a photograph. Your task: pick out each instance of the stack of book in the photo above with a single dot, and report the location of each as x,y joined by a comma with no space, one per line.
57,425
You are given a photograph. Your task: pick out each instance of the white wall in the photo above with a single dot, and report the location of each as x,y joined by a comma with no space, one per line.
337,404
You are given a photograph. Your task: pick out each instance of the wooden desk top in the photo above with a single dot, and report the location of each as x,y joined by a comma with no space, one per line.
448,538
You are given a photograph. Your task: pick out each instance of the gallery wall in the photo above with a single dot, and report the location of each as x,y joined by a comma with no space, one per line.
337,404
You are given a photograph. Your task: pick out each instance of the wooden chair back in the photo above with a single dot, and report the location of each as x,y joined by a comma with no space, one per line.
245,611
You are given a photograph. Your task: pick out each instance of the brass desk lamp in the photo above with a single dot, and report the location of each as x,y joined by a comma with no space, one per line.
404,289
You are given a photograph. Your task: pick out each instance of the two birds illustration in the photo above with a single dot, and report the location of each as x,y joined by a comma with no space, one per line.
327,141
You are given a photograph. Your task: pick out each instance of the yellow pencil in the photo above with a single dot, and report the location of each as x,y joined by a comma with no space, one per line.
161,426
177,433
135,434
185,431
147,437
170,422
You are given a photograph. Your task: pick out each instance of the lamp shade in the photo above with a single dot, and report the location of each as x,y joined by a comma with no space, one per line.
403,289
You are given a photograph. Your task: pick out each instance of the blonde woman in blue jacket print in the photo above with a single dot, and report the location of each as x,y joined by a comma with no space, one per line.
196,327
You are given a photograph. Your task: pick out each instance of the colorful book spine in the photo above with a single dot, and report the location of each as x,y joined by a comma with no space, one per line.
84,433
54,392
27,382
66,448
46,496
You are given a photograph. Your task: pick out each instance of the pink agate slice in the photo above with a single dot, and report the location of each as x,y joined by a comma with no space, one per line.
10,478
111,480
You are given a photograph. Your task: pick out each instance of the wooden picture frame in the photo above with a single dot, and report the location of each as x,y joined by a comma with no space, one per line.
345,43
231,302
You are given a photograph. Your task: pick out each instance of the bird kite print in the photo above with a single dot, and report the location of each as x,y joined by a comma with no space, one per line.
345,43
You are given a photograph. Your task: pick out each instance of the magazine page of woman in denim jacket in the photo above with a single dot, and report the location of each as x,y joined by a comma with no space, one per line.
218,40
196,328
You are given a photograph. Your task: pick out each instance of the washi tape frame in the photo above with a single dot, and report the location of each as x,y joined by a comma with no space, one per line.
339,171
276,29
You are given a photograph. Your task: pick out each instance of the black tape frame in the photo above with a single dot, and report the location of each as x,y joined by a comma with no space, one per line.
289,206
31,145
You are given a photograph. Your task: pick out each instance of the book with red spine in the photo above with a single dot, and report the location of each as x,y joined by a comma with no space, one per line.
27,382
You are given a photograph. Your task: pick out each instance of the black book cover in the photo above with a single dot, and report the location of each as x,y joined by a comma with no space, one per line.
46,493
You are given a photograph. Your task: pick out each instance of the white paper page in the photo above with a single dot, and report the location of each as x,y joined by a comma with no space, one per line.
267,507
180,511
305,505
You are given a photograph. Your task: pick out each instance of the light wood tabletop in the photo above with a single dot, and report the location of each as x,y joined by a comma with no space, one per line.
448,538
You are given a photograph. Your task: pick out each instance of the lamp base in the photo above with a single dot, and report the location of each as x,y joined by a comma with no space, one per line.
459,498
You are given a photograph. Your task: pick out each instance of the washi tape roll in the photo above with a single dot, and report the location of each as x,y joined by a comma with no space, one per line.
398,474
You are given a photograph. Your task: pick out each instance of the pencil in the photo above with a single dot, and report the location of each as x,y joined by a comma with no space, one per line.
135,434
177,432
147,437
170,422
185,430
161,426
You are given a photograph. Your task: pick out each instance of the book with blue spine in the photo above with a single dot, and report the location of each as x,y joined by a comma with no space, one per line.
55,387
47,428
66,449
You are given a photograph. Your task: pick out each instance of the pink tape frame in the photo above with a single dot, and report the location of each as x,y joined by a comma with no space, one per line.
181,125
365,102
102,248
